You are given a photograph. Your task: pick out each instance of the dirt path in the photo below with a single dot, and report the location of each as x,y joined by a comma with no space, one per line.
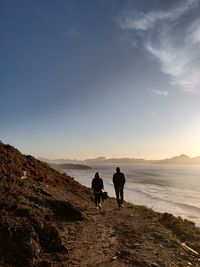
113,237
93,243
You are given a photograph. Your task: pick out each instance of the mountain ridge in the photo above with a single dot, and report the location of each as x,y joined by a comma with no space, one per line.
181,159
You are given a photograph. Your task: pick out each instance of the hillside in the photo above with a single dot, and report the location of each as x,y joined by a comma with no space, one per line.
33,206
68,166
47,219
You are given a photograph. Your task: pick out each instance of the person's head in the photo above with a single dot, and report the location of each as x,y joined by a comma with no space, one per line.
117,169
97,176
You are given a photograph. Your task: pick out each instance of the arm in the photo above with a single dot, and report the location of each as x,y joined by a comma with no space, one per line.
92,185
113,179
124,180
102,187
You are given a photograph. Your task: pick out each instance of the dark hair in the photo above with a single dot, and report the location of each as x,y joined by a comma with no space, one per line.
118,169
97,175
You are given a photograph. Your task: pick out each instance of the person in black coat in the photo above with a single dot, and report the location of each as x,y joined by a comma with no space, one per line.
97,186
119,182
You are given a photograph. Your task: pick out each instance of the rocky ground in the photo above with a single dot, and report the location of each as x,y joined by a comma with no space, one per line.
49,220
133,236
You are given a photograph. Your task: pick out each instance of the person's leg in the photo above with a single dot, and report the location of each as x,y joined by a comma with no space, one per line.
121,191
117,196
99,198
96,199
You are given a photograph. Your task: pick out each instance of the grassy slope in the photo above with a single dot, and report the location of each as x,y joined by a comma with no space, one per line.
48,219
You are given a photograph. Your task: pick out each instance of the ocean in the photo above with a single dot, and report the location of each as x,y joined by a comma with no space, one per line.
164,188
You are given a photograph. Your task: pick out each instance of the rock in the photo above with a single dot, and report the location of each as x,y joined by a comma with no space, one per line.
65,210
114,258
158,264
51,240
45,192
190,249
27,241
24,176
19,244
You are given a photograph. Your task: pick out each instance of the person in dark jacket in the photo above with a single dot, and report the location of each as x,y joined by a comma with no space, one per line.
119,182
97,186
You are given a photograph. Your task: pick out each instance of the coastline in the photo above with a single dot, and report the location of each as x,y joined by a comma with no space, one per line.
155,187
49,219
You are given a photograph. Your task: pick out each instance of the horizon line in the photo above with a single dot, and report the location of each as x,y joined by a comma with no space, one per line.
108,158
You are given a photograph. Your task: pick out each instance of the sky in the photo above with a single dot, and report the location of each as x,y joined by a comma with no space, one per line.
114,78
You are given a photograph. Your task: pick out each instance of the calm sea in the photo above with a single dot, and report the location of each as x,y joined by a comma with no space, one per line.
165,188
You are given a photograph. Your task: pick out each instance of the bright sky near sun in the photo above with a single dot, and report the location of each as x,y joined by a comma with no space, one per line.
82,79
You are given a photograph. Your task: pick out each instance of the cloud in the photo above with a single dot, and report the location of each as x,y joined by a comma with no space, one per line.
174,44
193,34
143,21
158,92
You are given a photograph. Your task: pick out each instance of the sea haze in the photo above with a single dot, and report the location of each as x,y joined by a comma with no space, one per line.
165,188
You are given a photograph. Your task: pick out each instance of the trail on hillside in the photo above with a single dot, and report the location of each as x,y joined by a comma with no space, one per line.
123,237
47,219
94,243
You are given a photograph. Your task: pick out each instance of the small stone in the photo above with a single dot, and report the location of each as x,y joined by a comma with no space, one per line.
114,258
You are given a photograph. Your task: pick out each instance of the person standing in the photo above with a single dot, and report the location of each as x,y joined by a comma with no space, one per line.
119,182
97,186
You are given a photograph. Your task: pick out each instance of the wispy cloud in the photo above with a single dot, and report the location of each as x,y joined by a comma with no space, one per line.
158,92
170,41
144,21
193,33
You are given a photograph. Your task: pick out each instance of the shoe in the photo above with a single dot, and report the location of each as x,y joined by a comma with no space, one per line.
122,206
100,206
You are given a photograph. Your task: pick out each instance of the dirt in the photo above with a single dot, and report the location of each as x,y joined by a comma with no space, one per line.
47,219
124,237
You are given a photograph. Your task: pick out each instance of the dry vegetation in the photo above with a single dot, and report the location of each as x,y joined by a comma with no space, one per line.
48,219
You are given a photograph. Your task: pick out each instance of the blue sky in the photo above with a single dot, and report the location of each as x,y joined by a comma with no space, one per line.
82,79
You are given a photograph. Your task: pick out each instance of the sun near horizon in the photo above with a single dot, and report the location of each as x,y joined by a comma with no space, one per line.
81,79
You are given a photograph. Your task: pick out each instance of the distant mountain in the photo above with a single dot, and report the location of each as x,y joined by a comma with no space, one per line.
68,166
181,159
196,160
60,161
115,160
93,161
125,160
